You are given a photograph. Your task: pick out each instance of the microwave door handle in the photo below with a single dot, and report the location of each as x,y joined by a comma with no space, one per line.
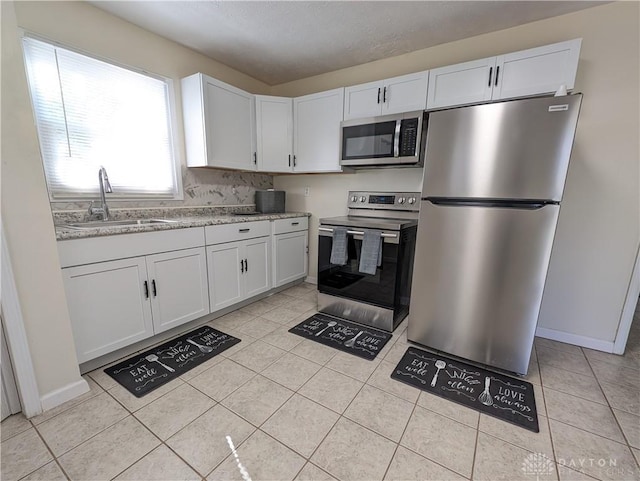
396,139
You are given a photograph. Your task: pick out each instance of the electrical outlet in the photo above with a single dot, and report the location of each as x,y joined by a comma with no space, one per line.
306,191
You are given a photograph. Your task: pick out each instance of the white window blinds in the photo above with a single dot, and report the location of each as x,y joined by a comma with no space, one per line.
91,113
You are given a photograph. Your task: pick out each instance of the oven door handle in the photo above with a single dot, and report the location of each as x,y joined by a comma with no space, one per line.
357,232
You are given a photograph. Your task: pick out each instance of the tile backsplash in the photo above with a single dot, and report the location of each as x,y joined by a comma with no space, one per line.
201,187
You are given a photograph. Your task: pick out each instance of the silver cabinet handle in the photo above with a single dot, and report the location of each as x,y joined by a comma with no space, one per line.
357,232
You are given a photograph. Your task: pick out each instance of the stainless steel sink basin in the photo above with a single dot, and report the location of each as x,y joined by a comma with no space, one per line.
116,223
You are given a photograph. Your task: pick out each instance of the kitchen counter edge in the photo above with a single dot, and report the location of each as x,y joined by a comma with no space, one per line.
67,233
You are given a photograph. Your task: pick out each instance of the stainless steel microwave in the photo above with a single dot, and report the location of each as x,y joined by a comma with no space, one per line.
385,141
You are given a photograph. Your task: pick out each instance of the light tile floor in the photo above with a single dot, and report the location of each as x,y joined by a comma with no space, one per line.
295,409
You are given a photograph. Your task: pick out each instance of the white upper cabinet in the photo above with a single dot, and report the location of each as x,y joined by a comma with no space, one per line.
461,84
219,123
537,70
390,96
529,72
274,132
316,131
364,100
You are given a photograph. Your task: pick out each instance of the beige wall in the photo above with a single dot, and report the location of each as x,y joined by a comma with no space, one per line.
598,231
28,226
84,27
26,213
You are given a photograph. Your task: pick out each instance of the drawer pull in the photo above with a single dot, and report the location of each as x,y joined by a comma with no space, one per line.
244,230
295,223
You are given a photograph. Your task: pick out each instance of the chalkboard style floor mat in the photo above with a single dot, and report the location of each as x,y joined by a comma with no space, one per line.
346,336
142,373
497,395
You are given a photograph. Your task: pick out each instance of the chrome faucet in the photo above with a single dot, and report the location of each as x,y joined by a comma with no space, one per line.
105,186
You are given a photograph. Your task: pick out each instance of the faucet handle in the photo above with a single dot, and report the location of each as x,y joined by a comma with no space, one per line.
96,212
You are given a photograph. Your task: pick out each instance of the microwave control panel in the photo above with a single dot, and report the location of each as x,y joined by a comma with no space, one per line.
409,137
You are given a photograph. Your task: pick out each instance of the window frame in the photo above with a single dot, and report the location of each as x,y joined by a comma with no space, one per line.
172,110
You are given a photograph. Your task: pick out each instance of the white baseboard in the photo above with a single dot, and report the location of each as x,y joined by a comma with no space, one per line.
311,280
64,394
575,339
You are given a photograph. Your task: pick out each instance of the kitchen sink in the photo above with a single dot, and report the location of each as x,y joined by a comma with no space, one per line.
116,223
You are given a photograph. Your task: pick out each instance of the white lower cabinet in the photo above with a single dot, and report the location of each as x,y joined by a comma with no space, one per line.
257,265
178,287
290,250
225,281
126,288
116,303
238,269
108,306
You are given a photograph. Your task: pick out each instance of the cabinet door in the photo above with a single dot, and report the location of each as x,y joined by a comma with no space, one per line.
405,93
257,275
364,100
108,306
225,281
290,257
229,125
178,287
537,70
463,83
274,131
316,133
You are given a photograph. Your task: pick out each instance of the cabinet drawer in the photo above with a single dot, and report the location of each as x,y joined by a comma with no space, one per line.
75,252
217,234
295,224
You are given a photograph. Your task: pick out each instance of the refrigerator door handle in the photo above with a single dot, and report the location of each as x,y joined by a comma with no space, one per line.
533,205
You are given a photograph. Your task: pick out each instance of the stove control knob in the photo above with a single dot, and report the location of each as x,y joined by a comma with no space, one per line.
354,198
363,198
412,200
401,200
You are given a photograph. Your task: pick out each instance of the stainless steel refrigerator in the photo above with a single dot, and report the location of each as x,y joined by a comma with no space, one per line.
493,182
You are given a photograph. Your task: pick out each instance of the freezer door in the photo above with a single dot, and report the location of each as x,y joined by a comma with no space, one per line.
478,278
508,150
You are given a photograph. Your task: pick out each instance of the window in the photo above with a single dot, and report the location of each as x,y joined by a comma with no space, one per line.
90,113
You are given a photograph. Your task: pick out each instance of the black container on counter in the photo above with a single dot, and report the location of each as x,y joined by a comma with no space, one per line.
270,201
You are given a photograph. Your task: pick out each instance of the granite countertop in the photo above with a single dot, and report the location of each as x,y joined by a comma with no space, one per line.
180,218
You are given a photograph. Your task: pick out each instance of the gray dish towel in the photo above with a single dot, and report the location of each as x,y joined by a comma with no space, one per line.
339,246
371,253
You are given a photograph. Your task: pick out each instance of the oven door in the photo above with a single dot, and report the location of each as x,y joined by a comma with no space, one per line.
347,281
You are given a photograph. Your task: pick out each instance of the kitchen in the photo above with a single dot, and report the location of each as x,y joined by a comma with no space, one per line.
593,238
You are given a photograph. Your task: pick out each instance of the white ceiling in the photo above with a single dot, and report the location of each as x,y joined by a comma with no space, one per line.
280,41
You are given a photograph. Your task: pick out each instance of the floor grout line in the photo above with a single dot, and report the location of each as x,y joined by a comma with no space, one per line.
341,415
